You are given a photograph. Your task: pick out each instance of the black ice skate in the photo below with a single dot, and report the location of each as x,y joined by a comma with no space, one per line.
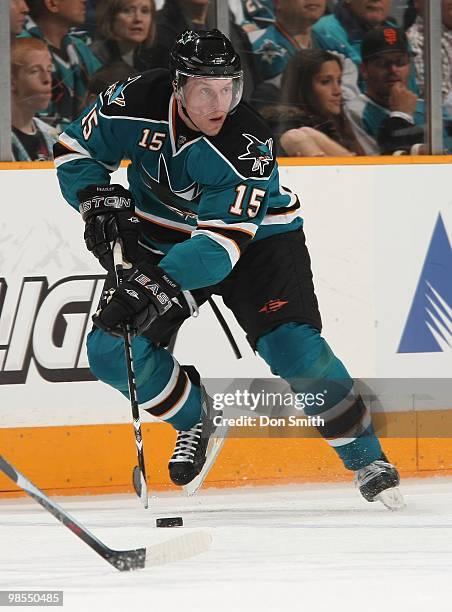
379,481
196,449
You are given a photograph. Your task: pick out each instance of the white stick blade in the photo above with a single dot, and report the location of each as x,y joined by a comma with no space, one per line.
178,548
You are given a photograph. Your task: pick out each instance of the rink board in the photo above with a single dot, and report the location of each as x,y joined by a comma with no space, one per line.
371,226
99,458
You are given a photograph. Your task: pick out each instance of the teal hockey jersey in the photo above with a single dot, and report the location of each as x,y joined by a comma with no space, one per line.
367,115
72,67
273,48
200,199
262,12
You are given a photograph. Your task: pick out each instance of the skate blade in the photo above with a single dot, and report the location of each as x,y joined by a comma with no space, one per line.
391,498
213,448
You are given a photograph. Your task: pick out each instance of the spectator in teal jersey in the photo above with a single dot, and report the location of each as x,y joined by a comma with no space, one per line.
344,30
73,61
18,10
253,14
389,112
258,14
291,32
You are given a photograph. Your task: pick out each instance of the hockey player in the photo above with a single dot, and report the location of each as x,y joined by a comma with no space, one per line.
205,214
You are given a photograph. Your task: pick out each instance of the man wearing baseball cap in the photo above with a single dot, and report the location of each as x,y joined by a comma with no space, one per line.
388,112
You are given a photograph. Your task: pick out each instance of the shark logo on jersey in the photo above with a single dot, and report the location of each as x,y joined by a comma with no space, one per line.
269,52
174,199
115,93
429,325
261,153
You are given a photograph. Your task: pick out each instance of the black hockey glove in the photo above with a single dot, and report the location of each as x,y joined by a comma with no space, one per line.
146,294
109,215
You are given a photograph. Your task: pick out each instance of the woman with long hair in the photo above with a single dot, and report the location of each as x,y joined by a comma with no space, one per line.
312,119
125,31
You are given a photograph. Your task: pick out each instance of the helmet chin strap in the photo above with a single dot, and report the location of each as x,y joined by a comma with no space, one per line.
185,111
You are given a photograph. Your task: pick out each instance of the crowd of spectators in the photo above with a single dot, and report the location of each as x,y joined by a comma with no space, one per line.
331,77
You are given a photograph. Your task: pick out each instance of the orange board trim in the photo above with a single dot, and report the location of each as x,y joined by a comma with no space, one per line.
99,458
385,160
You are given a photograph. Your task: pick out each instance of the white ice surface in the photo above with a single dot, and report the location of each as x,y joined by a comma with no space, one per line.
310,548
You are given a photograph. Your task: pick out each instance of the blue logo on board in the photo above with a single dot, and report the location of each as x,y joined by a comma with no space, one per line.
429,325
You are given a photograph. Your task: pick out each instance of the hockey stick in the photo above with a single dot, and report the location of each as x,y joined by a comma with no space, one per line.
139,471
225,327
178,548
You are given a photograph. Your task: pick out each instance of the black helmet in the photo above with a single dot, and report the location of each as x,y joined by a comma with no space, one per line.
207,53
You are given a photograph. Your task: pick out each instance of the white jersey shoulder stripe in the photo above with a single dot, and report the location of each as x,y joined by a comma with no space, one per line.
78,152
73,144
184,227
282,218
64,159
249,228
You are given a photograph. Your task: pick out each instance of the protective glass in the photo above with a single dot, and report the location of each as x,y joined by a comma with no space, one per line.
206,95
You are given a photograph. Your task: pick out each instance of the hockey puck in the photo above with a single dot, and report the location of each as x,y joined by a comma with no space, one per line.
173,521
